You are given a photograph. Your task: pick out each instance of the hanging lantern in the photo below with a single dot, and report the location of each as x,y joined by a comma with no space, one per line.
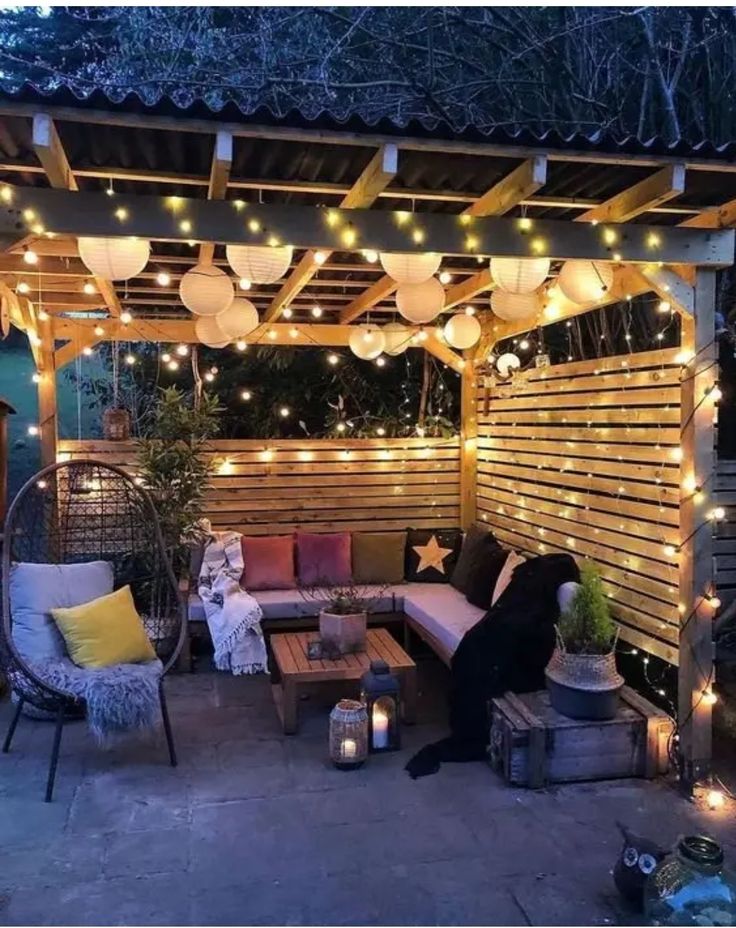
380,695
397,337
519,275
114,258
514,307
367,342
208,331
406,268
206,290
260,264
348,734
116,424
420,303
507,364
585,281
462,331
239,319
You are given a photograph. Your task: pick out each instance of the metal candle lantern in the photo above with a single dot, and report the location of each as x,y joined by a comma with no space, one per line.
381,696
348,734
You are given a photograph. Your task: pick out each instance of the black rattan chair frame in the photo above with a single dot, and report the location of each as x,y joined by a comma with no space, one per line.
78,511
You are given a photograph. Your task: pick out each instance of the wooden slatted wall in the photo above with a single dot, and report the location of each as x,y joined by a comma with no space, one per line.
277,486
583,458
724,544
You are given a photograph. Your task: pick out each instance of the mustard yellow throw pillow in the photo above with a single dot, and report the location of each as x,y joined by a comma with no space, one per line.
105,631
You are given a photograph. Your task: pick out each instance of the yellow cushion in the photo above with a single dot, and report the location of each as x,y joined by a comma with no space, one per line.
105,631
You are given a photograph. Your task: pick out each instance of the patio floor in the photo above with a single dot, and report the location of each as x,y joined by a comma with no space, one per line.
256,828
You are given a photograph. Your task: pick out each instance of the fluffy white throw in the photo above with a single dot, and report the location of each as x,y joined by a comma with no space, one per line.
233,616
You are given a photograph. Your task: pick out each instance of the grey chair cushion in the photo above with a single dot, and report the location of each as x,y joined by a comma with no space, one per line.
36,589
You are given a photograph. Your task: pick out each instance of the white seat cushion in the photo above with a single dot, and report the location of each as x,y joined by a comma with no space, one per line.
442,610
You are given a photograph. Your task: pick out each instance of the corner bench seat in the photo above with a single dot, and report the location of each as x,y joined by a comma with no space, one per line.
436,611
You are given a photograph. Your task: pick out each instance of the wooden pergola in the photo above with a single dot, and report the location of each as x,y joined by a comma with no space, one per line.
632,438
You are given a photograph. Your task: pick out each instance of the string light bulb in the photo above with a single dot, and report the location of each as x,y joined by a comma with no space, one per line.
317,311
287,313
320,257
182,350
163,278
715,393
715,800
36,378
32,430
241,344
445,277
130,359
245,284
370,255
246,395
332,359
284,412
709,697
87,350
126,317
165,357
173,365
23,287
30,256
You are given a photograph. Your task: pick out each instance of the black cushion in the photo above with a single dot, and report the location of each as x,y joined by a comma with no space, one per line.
483,576
431,555
477,544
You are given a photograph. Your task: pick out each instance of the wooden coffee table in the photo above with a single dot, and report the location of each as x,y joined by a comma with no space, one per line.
298,672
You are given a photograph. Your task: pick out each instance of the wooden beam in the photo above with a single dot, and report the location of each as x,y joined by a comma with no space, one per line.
524,180
72,349
696,547
376,176
469,288
719,217
222,160
440,350
669,286
663,185
47,410
153,217
50,152
468,447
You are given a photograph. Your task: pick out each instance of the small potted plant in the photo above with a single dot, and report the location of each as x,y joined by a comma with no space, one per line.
582,679
343,616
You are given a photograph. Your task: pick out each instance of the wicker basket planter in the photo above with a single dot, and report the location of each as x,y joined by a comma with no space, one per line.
584,686
348,734
343,634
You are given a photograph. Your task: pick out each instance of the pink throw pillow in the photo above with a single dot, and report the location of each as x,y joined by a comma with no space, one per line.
268,563
323,558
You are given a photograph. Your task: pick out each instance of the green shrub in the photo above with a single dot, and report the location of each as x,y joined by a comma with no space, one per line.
587,627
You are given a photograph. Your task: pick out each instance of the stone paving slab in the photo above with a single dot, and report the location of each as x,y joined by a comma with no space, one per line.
257,828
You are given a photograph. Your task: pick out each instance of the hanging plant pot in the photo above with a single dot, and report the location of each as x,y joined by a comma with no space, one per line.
584,686
116,424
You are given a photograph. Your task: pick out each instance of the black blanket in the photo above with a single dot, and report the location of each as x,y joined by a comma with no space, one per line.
508,649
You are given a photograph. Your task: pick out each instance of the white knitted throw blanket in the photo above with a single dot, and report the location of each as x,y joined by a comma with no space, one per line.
233,616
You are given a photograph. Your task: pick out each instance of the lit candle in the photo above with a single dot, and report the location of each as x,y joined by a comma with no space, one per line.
380,728
348,749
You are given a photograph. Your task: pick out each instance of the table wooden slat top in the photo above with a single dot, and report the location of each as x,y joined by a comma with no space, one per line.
290,652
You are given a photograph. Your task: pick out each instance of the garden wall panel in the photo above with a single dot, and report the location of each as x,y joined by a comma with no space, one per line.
583,457
266,487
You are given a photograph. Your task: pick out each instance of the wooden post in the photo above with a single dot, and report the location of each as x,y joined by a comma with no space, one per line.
468,444
695,675
47,394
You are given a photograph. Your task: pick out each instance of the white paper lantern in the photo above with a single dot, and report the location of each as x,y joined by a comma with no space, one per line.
513,307
420,303
507,363
407,268
208,331
114,258
519,275
260,264
462,331
239,319
585,281
206,290
367,342
397,338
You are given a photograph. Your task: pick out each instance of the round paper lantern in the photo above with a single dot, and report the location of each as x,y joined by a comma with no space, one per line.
585,281
260,264
208,331
519,275
512,307
420,303
507,363
407,268
206,290
367,342
462,331
114,258
397,337
239,319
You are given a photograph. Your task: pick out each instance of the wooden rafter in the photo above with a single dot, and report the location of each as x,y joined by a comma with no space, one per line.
222,160
657,188
50,152
524,180
379,172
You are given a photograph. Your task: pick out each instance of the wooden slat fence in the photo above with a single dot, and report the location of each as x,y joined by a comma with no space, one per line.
270,487
724,544
583,457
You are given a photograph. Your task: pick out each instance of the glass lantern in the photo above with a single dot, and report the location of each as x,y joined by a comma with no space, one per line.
348,734
381,696
691,887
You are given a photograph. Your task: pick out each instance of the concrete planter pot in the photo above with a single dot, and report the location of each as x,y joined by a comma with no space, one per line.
343,633
584,686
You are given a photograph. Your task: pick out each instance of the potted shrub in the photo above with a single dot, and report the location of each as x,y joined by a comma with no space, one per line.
582,679
343,616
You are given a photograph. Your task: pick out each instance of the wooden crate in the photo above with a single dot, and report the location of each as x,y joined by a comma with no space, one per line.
532,745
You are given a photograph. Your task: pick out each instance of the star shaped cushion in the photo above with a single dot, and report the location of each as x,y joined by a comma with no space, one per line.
431,555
